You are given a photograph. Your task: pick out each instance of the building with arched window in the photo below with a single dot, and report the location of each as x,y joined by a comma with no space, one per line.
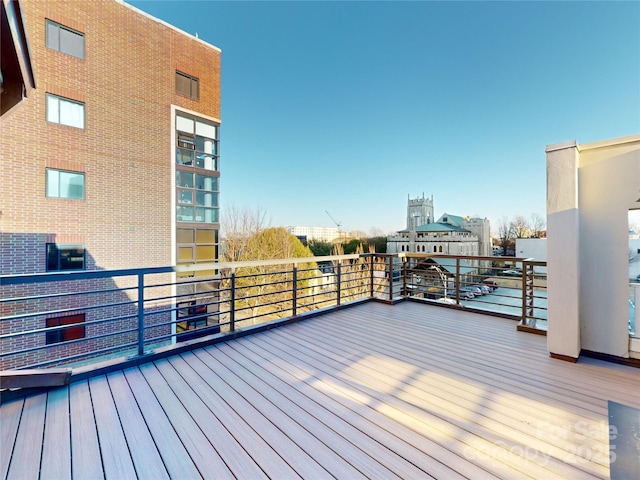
449,235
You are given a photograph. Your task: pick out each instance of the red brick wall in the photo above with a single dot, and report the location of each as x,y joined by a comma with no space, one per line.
127,81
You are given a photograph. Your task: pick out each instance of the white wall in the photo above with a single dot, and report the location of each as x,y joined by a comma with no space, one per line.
608,185
535,248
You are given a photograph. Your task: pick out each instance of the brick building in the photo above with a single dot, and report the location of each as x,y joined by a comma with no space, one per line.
113,160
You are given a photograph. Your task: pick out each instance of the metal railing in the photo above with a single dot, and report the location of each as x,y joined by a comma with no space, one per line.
506,286
81,318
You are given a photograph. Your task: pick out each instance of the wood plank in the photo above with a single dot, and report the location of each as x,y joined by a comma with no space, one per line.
32,378
205,457
260,451
446,406
174,455
399,440
227,447
302,462
10,414
146,458
409,411
56,448
565,377
360,450
25,463
514,410
303,413
85,449
116,459
321,452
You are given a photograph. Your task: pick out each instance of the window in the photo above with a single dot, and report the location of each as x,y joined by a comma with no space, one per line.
65,257
61,184
65,40
187,85
68,333
64,111
196,162
191,315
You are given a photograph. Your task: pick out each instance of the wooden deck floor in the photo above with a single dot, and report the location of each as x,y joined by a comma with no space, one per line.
374,391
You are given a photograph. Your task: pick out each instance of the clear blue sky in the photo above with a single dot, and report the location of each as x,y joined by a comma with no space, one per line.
352,106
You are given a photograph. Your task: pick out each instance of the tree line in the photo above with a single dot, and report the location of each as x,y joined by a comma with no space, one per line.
519,227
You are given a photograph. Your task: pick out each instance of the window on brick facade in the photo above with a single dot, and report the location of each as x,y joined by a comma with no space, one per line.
68,333
64,39
196,164
65,111
65,257
62,184
187,85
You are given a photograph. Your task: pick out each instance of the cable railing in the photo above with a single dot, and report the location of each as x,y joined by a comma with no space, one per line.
81,318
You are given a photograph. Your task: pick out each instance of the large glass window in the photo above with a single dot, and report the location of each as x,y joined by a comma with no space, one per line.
61,184
64,111
65,257
196,166
196,143
65,40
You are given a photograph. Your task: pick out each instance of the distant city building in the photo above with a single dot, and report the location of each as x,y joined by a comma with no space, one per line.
322,234
450,234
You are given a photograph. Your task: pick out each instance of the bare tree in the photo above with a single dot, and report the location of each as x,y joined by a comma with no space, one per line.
520,227
237,226
506,234
537,225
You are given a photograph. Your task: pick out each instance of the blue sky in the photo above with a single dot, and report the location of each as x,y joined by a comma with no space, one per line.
349,107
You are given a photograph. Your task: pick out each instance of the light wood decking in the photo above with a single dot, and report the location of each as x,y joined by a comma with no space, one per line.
374,391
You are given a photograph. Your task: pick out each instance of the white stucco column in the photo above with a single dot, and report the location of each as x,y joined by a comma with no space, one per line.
563,267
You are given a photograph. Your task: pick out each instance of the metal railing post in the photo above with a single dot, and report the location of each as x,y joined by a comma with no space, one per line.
295,290
232,306
373,258
457,281
338,280
404,276
140,313
390,271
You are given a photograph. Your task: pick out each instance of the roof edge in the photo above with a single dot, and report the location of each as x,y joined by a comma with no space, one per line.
173,27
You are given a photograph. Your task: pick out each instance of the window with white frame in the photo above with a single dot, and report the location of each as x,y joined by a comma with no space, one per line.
64,39
63,184
65,111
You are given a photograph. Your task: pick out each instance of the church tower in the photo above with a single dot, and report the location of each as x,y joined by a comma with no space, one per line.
419,211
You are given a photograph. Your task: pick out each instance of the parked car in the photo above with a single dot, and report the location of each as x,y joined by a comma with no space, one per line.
483,288
512,273
491,284
466,294
474,292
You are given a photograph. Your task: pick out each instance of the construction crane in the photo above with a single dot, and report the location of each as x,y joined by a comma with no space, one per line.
338,224
334,220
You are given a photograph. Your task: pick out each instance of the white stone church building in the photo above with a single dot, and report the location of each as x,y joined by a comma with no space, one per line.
449,235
